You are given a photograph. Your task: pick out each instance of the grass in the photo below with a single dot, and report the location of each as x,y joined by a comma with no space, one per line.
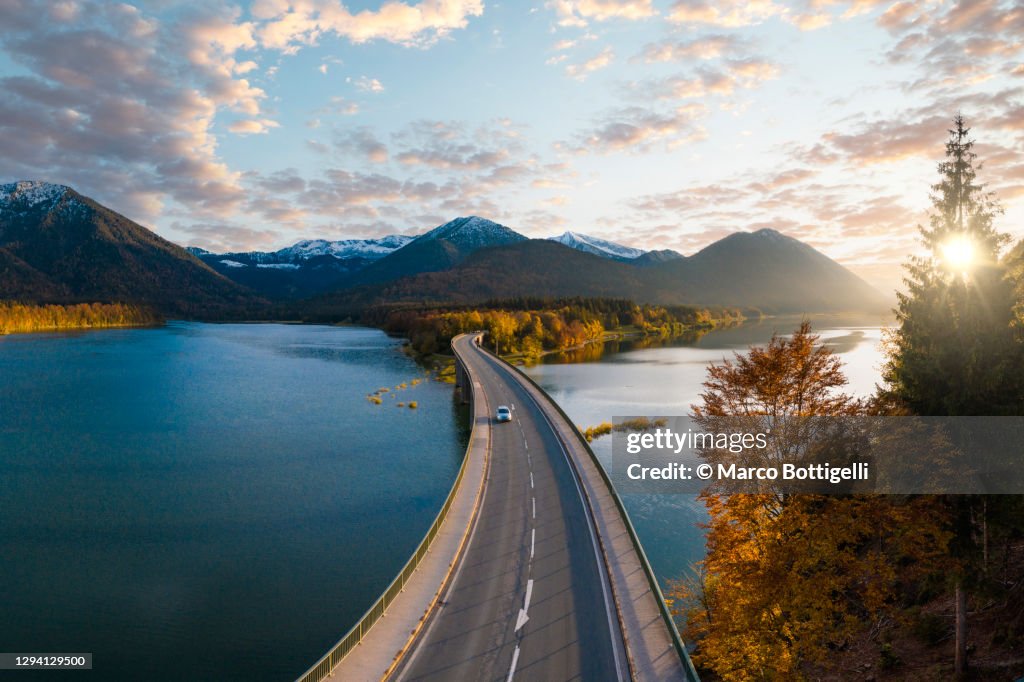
638,424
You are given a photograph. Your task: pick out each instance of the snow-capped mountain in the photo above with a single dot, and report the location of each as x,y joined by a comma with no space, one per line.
31,195
473,232
57,245
439,249
308,249
302,269
345,248
657,257
597,246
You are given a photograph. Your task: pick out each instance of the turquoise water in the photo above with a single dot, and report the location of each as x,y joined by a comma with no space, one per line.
666,380
209,502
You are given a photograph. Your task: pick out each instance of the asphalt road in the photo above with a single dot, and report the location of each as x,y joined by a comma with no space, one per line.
528,600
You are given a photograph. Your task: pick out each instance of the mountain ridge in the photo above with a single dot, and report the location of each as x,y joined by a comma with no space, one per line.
542,268
58,246
597,246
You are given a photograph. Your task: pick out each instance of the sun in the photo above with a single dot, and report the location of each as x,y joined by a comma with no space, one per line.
958,252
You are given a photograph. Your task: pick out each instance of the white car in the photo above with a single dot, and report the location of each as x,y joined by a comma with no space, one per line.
503,414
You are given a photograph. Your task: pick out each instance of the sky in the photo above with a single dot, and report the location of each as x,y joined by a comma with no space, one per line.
658,124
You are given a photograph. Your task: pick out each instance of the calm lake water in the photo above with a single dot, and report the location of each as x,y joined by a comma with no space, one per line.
209,502
220,502
621,379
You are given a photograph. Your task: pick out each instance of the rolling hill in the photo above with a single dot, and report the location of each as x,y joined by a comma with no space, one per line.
770,271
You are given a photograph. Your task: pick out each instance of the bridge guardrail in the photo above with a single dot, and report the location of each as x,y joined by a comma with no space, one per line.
323,667
677,640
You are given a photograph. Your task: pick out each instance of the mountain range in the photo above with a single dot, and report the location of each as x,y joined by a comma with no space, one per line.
315,266
765,270
57,246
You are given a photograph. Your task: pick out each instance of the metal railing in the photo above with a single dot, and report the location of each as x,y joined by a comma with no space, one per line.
322,668
677,640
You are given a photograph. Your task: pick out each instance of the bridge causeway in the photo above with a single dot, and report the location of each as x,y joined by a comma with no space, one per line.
532,569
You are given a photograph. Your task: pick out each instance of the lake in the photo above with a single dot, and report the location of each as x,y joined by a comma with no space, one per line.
622,379
200,502
209,502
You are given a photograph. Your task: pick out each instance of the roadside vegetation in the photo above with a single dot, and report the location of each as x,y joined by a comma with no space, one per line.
21,317
531,327
592,433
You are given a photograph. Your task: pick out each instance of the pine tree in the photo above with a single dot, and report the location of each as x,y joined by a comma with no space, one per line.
954,351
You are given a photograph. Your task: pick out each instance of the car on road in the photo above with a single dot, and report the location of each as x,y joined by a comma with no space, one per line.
503,414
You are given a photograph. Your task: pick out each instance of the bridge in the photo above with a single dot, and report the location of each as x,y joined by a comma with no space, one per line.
531,570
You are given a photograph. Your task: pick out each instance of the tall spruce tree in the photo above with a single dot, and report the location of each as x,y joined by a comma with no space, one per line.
955,351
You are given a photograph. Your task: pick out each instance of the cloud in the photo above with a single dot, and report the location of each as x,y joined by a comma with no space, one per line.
245,67
338,106
122,106
577,12
221,237
687,199
452,145
920,131
595,63
882,142
637,129
811,21
366,84
704,48
724,13
900,16
954,46
252,126
363,142
708,81
279,182
287,26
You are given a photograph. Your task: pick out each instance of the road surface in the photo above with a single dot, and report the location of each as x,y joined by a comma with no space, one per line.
530,599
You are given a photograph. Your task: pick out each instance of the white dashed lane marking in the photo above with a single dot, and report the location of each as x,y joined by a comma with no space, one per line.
512,668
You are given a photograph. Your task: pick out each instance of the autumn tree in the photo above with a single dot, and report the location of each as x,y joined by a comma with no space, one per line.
22,317
788,578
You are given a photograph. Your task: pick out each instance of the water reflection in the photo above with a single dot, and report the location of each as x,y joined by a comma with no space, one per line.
595,352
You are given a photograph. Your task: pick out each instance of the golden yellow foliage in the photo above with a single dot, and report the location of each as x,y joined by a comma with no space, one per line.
788,579
19,317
